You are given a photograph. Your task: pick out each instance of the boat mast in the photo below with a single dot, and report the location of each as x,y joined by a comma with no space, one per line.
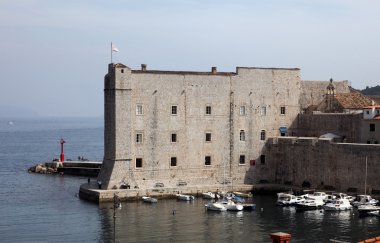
365,181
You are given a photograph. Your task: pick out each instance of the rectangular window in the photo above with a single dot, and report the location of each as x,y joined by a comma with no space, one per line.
262,159
174,110
282,110
242,159
263,110
207,160
242,110
208,110
174,137
173,161
262,135
139,137
138,162
139,109
242,135
372,127
208,136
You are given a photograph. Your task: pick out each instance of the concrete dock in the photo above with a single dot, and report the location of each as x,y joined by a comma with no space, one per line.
90,191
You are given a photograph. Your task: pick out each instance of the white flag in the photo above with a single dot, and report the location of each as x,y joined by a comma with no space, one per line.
114,48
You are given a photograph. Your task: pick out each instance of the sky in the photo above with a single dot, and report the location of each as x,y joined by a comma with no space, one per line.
54,54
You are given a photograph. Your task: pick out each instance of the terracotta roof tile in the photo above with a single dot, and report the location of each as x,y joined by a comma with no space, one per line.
353,100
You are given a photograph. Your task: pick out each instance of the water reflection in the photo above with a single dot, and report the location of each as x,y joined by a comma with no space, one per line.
173,221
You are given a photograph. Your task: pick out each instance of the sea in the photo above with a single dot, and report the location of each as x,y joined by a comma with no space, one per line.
46,208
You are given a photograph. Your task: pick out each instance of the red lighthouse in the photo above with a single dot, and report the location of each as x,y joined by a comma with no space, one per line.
62,156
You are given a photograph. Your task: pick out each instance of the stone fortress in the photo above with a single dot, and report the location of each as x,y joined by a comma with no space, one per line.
186,130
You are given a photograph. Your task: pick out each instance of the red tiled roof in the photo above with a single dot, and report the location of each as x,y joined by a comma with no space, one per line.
353,100
372,106
377,117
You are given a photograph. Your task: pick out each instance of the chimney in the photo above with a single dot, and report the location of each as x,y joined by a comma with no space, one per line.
143,67
213,70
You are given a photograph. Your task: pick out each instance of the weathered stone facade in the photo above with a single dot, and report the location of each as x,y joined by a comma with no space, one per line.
192,128
323,164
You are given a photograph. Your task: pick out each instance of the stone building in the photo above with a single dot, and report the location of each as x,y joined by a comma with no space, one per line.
170,128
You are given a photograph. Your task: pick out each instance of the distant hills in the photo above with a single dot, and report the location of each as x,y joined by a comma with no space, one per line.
371,90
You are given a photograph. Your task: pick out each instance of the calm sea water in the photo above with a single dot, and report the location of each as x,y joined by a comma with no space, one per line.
46,208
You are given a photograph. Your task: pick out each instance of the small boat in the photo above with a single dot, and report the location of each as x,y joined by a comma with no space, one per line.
242,194
368,209
317,196
185,197
285,199
310,204
149,199
210,195
216,206
338,205
249,206
231,206
364,200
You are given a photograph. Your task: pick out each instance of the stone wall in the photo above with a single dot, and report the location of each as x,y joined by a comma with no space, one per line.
347,126
323,164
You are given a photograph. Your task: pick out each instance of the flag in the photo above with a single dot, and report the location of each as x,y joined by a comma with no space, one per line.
114,48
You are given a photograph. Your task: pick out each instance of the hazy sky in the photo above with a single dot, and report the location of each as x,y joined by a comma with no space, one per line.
54,53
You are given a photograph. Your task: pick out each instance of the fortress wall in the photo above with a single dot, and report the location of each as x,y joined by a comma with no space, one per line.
191,92
323,164
347,126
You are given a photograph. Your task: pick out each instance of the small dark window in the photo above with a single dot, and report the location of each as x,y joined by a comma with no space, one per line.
368,142
173,161
174,110
122,70
242,159
262,159
262,135
372,127
138,162
207,160
242,135
282,110
208,110
376,142
208,137
174,137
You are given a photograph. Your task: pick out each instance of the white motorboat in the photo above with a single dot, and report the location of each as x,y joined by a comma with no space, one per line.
210,195
368,209
185,197
231,206
310,204
149,199
215,206
364,200
317,196
285,199
338,205
242,194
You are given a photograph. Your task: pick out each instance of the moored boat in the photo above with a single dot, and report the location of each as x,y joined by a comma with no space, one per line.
310,204
285,199
149,199
215,206
364,200
231,206
242,194
338,205
185,197
368,209
210,195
